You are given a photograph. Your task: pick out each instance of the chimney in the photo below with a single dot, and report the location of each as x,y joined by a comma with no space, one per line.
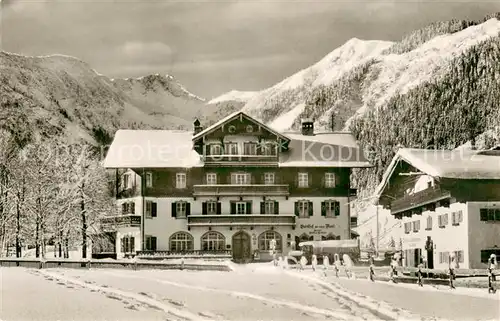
197,127
307,127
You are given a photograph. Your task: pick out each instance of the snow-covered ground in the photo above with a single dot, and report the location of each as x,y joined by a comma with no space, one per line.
249,292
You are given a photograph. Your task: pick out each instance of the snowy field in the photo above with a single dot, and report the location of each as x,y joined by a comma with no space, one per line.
251,292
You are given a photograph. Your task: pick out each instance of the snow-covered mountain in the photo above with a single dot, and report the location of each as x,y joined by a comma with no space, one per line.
361,75
63,95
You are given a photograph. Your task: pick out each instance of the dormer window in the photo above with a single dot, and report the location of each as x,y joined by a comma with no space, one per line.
231,149
215,149
250,148
329,180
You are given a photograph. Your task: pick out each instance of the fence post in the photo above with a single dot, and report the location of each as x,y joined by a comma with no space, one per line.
182,264
42,263
89,261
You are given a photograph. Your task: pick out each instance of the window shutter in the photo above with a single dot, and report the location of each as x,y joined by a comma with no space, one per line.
323,208
262,207
249,207
123,244
276,207
233,208
460,217
188,209
153,243
296,208
483,214
153,209
132,244
323,181
204,210
337,208
311,209
124,208
219,208
132,207
174,209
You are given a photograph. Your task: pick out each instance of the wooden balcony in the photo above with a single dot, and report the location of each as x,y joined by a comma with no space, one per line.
241,220
240,190
113,222
238,160
422,198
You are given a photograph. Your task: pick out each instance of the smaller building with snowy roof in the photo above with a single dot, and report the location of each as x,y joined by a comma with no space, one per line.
449,202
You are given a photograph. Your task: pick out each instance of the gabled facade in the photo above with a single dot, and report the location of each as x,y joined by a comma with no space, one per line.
448,201
231,188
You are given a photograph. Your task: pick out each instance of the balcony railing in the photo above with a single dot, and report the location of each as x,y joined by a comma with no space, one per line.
241,220
421,198
240,190
112,222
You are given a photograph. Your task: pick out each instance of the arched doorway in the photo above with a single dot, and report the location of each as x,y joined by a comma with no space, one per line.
242,250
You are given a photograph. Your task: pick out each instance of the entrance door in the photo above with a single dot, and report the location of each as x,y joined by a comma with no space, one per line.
430,259
242,252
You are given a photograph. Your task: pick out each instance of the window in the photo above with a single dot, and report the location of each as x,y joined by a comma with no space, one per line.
241,208
429,223
215,149
330,209
444,257
303,180
181,241
240,178
268,178
126,181
265,241
269,207
128,244
329,180
149,179
489,214
231,148
150,243
151,209
211,179
456,218
442,220
181,209
128,208
211,207
416,226
250,148
407,227
180,180
459,256
303,209
213,241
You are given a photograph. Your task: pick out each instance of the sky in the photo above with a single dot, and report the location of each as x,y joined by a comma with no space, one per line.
212,47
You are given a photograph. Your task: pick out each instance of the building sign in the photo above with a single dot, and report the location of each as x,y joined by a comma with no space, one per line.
413,243
317,229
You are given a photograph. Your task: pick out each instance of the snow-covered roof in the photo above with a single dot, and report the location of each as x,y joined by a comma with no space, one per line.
330,151
231,117
152,149
457,164
167,148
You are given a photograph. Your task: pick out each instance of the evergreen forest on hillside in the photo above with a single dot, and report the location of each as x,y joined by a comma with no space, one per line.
444,113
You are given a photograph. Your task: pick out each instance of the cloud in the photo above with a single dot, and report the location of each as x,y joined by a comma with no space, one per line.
135,49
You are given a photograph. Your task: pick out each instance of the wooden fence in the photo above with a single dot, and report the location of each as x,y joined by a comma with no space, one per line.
130,265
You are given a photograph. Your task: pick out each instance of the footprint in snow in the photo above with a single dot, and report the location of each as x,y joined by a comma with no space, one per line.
179,304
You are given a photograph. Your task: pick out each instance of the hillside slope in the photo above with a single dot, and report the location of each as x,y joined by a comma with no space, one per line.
61,95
